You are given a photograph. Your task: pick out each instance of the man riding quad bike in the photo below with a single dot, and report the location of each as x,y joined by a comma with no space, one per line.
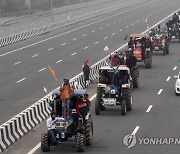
161,42
114,88
142,48
77,123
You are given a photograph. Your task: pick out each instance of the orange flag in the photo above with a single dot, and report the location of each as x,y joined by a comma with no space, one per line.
53,73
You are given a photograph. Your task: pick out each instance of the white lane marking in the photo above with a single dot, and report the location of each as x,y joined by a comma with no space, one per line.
63,44
41,69
137,20
83,27
149,108
39,144
120,30
96,42
160,91
93,31
127,26
105,38
59,61
113,34
168,78
174,68
21,80
101,28
74,39
73,53
84,35
85,48
35,55
50,49
135,130
35,148
114,22
108,25
132,24
12,29
17,63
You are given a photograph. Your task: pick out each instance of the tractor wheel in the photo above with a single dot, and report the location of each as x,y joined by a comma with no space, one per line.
164,51
148,62
80,142
123,107
135,78
89,131
129,99
167,47
98,105
45,147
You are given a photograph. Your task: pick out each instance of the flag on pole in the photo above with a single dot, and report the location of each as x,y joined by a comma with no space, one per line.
106,48
45,89
53,73
126,36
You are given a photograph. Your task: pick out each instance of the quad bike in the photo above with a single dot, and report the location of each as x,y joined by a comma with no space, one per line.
72,126
114,89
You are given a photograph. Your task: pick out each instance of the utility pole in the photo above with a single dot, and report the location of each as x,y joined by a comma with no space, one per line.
52,11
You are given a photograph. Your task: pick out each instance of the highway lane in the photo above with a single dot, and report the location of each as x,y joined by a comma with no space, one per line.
39,22
110,127
30,67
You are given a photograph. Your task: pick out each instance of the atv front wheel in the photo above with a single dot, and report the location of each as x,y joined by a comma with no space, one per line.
45,147
80,142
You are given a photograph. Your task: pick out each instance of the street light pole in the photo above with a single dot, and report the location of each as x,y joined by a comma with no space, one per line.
52,11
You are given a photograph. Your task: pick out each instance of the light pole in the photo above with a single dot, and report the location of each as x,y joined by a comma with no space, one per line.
52,11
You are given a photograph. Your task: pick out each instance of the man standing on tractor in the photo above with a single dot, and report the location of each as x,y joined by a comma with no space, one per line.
66,92
131,43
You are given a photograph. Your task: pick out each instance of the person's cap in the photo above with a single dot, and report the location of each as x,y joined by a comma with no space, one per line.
66,80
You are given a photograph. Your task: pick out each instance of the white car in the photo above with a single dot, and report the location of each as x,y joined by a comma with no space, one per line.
177,85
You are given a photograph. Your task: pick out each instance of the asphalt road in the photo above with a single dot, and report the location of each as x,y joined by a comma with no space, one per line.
23,66
88,42
110,127
45,21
